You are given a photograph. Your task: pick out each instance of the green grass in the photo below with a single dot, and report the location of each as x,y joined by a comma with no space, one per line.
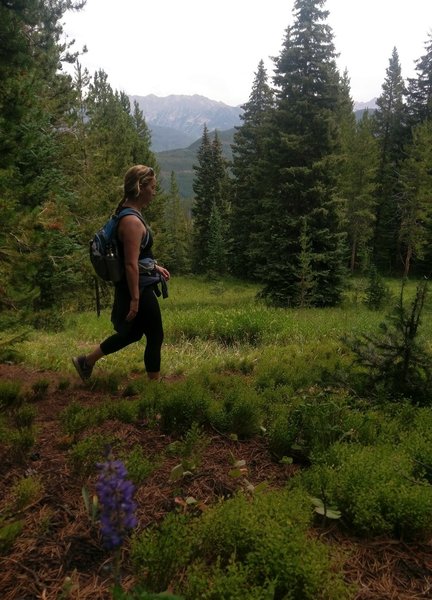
211,324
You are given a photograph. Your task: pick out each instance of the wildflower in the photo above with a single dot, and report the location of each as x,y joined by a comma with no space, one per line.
117,508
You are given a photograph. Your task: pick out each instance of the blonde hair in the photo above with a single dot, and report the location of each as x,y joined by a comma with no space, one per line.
136,177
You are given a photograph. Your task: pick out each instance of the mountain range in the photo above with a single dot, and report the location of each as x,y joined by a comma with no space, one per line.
177,121
176,124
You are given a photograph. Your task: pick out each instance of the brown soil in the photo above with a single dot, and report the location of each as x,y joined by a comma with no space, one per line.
59,554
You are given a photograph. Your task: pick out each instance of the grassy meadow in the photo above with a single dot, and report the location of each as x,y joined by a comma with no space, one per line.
214,325
238,371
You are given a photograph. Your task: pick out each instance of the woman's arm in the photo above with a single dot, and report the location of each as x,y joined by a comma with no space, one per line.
131,232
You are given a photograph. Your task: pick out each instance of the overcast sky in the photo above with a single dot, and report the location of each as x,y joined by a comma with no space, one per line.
212,48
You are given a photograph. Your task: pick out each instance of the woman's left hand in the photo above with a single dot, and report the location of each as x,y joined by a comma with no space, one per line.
164,272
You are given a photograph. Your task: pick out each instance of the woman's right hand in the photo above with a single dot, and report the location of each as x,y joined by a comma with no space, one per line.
133,310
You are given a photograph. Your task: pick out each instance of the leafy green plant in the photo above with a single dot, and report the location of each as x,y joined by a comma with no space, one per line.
74,419
8,534
24,416
20,442
308,425
139,466
106,383
375,488
258,543
64,384
26,491
239,411
87,452
183,404
190,449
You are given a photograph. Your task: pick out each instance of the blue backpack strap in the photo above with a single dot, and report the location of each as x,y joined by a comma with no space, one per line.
124,212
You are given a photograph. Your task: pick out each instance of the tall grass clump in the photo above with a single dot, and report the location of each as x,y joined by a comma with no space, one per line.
296,367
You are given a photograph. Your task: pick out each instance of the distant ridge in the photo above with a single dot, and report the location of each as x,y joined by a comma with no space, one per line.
176,124
185,115
364,105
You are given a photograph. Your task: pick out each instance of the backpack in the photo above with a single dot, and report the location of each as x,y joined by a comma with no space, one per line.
104,251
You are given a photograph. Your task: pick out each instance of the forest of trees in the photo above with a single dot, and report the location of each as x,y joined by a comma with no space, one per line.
311,197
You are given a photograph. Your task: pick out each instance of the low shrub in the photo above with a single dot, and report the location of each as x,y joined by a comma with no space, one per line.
375,489
239,411
183,404
87,452
242,548
138,466
309,425
10,394
40,389
26,491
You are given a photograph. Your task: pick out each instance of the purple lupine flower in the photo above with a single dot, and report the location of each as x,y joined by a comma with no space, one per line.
115,495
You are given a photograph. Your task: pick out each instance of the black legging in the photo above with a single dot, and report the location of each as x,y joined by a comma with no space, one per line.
148,322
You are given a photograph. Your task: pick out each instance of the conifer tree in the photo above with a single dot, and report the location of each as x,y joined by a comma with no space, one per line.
250,168
357,186
414,205
419,96
216,252
301,170
177,243
35,103
390,120
211,187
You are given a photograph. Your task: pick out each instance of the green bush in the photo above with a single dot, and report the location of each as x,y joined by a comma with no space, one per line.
24,416
159,554
8,534
234,582
10,394
309,425
242,548
87,452
40,389
183,404
21,441
138,466
239,411
26,491
74,419
375,489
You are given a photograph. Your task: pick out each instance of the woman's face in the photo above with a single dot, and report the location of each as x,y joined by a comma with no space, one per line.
148,192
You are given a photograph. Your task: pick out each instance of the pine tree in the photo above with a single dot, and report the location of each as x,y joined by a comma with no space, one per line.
36,99
216,252
211,187
357,186
390,120
249,168
419,96
176,244
414,203
301,168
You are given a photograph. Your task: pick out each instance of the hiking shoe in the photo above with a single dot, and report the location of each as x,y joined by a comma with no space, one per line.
84,370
